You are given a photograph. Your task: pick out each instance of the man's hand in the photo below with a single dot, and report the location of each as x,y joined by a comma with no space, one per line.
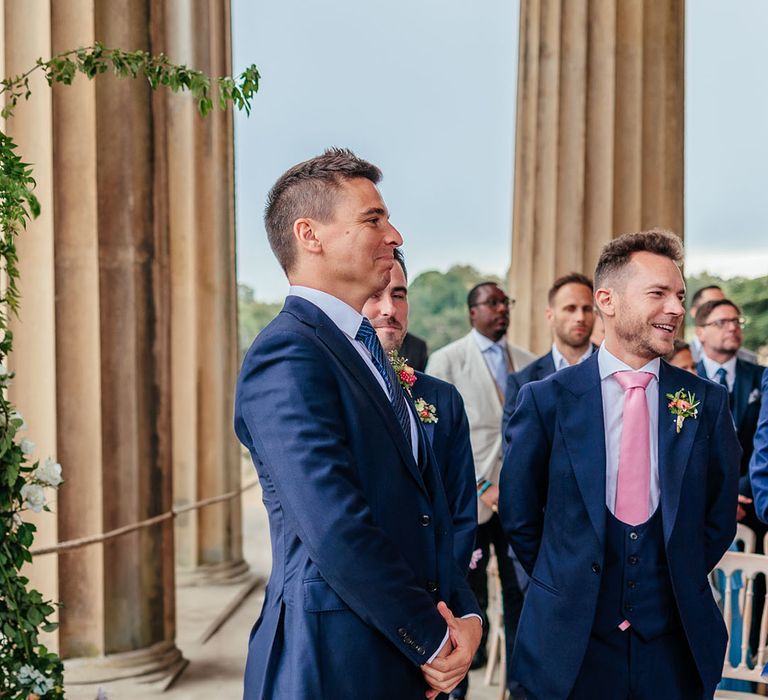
491,497
452,663
740,512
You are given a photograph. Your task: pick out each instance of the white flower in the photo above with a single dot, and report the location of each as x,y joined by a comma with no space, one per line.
31,676
3,370
27,446
34,496
49,473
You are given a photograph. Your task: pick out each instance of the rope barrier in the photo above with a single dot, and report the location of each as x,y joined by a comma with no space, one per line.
117,532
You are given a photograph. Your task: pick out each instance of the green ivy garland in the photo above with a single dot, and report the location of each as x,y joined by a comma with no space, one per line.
27,668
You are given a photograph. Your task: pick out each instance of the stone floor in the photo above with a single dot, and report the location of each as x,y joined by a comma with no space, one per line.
215,667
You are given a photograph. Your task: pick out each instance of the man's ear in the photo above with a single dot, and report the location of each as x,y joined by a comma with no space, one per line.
304,233
548,314
605,300
699,332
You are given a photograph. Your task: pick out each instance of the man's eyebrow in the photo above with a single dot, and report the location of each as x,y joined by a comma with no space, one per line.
374,210
400,289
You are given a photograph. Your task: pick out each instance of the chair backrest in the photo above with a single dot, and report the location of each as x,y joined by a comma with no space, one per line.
746,535
740,570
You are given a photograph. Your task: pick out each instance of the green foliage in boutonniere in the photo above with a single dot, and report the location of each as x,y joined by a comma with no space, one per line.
426,411
405,373
682,404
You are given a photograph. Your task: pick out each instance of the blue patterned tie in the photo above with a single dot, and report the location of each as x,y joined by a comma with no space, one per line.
368,337
721,377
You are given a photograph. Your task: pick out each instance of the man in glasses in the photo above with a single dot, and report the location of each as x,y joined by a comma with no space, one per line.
718,329
478,365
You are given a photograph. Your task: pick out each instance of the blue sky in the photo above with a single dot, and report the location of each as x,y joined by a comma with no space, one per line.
426,90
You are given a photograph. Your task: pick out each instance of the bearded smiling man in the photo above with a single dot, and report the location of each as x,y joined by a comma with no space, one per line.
619,504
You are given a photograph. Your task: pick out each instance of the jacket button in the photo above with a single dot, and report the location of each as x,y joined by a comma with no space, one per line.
632,535
421,651
631,584
425,520
431,587
627,607
595,567
403,634
633,559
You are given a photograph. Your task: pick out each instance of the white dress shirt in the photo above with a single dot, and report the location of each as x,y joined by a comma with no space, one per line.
348,321
711,367
562,363
613,411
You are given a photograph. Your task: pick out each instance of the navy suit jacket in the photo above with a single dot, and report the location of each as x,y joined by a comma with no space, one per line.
758,465
362,545
538,369
745,409
552,508
449,438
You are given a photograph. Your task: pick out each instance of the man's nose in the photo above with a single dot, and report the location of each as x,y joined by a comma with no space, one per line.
393,236
386,306
675,306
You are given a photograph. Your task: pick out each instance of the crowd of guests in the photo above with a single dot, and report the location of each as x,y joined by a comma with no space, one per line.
602,478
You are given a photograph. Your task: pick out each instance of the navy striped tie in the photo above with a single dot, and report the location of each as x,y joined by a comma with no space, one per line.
368,337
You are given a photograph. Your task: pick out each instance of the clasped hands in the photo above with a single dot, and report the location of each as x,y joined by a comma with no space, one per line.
452,662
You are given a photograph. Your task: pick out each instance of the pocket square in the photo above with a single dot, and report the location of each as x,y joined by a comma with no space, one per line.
754,396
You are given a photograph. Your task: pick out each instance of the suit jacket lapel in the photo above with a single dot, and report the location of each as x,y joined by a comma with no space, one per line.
340,346
546,366
741,390
673,450
581,421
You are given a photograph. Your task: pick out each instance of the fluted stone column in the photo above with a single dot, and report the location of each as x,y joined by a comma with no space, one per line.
599,142
200,172
26,37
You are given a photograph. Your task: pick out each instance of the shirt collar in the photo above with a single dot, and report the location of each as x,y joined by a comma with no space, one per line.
561,362
485,343
342,314
711,367
610,364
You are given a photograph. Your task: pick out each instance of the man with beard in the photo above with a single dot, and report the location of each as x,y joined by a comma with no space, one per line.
441,411
570,314
620,497
478,365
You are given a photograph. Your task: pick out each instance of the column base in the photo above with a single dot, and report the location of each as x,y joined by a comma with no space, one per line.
159,664
230,572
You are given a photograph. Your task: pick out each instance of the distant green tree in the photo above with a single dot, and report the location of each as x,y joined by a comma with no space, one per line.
253,316
438,302
750,294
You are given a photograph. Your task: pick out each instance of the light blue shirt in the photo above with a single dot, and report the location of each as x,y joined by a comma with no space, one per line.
562,363
613,414
495,356
711,367
348,321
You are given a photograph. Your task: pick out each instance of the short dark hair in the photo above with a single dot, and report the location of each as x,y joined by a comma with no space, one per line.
706,309
696,298
309,189
570,278
400,258
475,291
617,254
677,346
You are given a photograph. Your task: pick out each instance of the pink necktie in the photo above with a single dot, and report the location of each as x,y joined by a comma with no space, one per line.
633,487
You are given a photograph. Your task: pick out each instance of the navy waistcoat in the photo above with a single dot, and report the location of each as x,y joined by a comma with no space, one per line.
635,583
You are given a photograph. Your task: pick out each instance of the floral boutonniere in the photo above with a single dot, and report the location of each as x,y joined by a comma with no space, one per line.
426,412
682,404
405,374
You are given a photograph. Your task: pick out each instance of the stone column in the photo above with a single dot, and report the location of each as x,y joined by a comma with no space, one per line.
112,257
599,142
204,333
27,36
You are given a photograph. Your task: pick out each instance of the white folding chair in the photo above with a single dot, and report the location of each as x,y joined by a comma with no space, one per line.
748,566
497,650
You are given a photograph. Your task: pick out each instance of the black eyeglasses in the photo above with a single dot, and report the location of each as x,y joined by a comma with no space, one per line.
723,322
506,302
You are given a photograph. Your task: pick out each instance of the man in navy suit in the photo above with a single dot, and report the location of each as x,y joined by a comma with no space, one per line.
441,412
758,465
570,314
618,504
364,585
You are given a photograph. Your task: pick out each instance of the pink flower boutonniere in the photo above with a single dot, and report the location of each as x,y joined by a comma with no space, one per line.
405,374
682,404
426,412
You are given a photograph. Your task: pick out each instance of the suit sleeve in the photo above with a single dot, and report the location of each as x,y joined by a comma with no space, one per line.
524,479
460,486
511,394
722,485
289,404
758,465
